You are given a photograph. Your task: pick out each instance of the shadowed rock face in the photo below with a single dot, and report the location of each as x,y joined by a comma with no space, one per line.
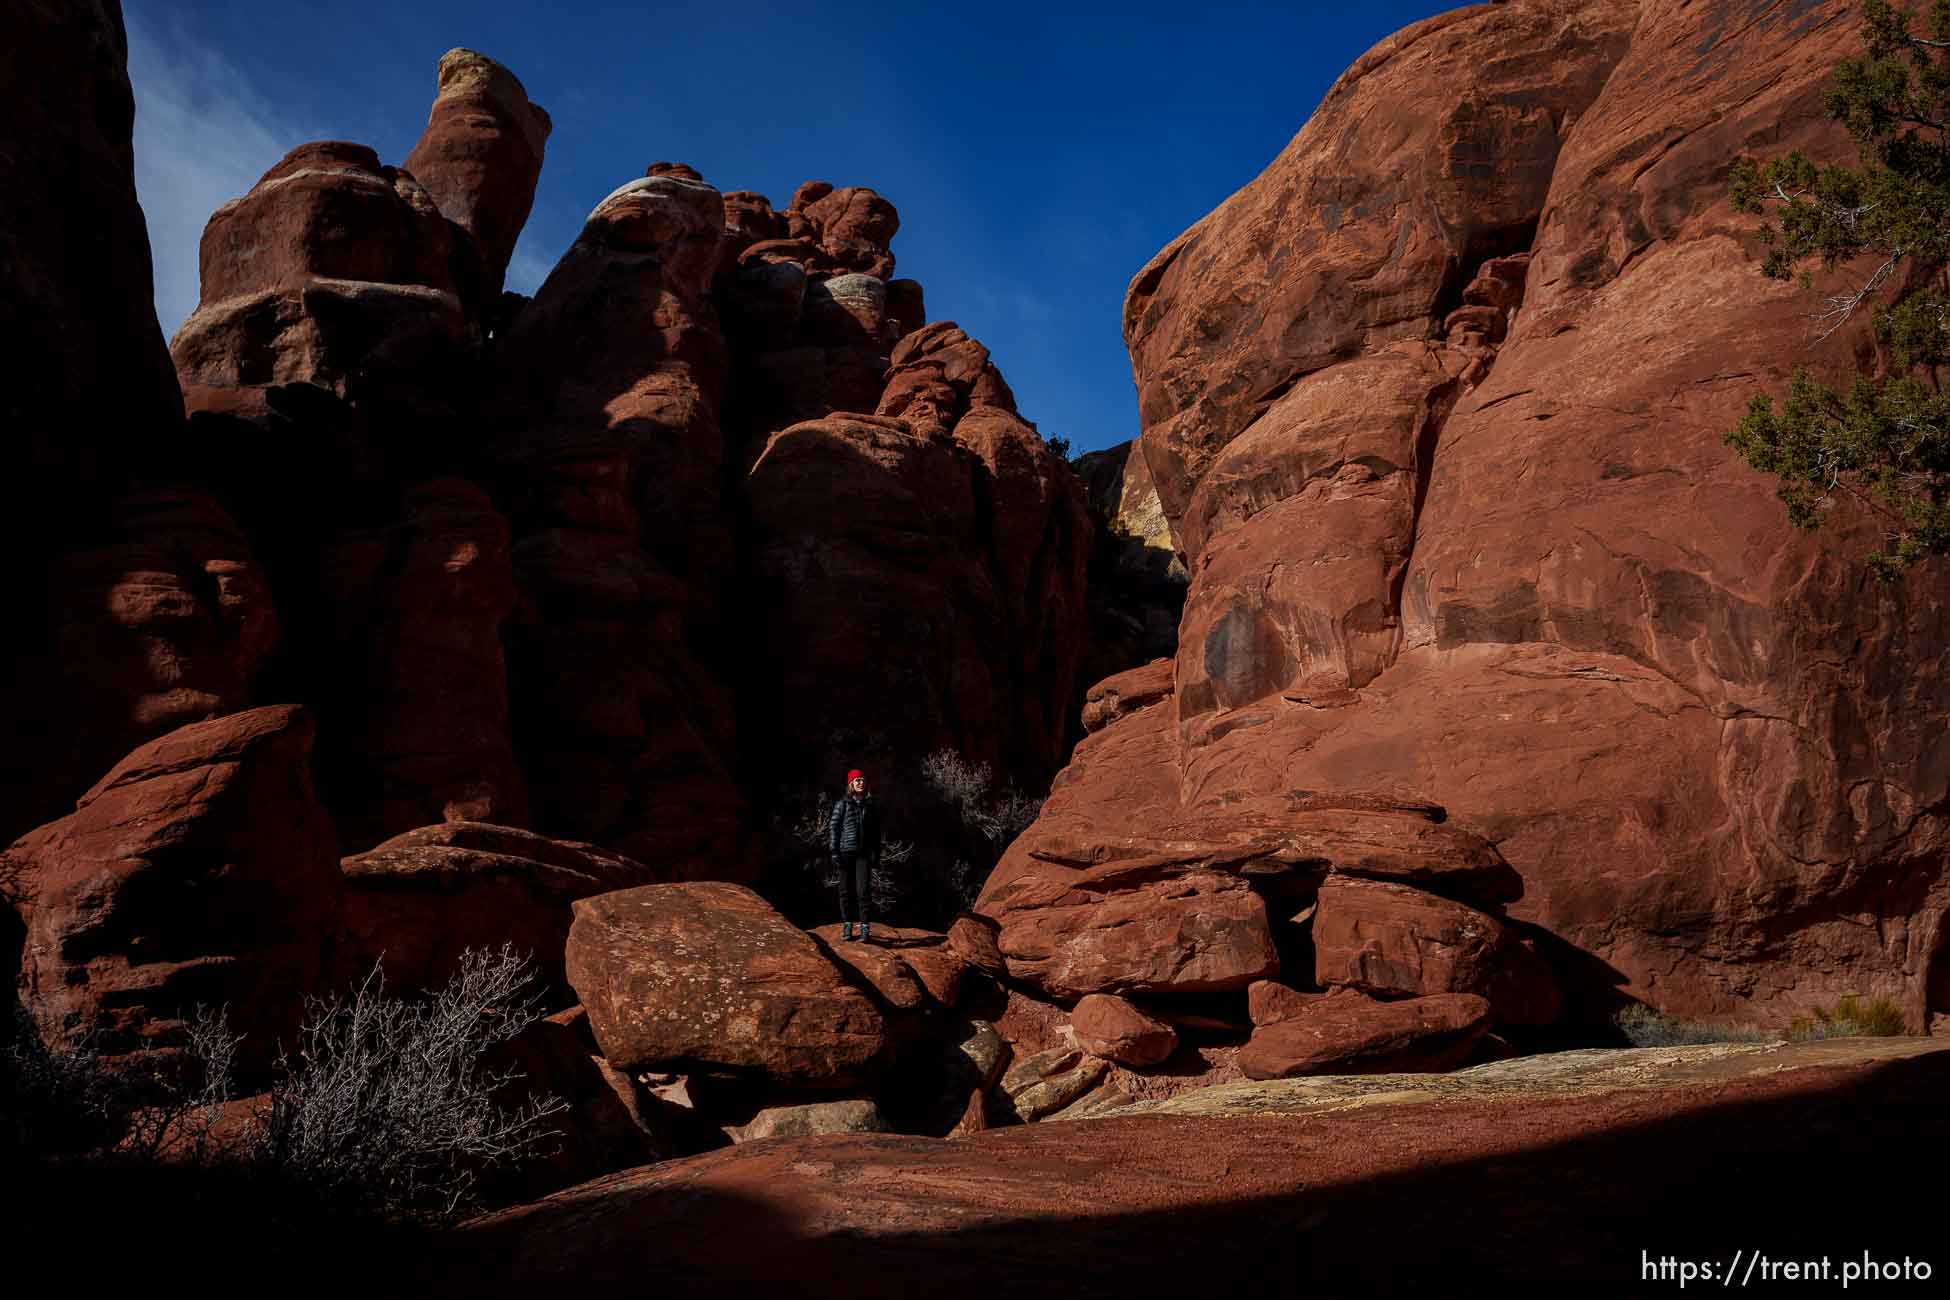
419,900
201,871
89,397
611,381
1435,409
954,578
1137,583
166,620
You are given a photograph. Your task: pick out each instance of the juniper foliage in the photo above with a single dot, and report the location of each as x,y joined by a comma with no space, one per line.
1883,442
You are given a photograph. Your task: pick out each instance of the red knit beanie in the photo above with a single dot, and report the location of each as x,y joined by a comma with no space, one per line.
856,772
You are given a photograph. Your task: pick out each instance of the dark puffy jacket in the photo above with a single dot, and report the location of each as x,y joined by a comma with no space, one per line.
855,826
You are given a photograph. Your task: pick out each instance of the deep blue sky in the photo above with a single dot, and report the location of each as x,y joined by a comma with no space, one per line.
1038,153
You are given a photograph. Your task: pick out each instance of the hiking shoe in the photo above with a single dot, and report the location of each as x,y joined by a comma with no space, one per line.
846,931
866,929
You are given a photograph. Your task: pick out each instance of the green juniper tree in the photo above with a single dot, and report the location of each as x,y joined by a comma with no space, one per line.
1884,442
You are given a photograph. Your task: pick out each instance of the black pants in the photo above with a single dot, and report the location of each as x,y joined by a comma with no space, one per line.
853,887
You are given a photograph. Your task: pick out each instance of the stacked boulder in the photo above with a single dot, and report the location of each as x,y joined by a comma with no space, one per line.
710,1001
1387,925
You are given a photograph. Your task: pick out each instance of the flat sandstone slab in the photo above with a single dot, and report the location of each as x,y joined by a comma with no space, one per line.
1555,1074
1580,1166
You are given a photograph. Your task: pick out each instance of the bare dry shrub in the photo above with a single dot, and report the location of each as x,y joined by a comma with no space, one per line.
386,1105
997,816
383,1111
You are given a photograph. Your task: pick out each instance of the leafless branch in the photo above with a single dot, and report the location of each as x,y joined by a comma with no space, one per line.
1842,306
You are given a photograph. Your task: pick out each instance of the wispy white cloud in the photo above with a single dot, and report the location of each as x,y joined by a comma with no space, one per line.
203,135
529,265
1012,301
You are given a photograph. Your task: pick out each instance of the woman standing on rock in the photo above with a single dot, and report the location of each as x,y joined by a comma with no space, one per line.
854,834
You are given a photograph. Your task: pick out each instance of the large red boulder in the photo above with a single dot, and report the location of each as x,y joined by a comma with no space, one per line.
882,969
481,154
1391,939
1142,926
419,900
1111,1027
707,976
1345,1032
200,872
909,968
1269,1002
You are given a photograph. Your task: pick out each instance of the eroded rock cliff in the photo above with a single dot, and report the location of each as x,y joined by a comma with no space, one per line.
1434,407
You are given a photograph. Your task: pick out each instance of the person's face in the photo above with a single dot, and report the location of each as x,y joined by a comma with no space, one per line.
858,785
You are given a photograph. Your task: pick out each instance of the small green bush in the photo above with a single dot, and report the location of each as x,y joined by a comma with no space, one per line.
1644,1026
1852,1018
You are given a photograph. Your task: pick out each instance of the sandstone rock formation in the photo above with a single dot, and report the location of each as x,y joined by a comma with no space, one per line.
809,1119
1137,582
481,154
411,613
199,873
908,968
418,901
337,341
708,975
1497,682
1039,1085
957,580
336,272
1111,1027
1434,410
612,378
1392,940
82,346
515,595
1345,1032
164,620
